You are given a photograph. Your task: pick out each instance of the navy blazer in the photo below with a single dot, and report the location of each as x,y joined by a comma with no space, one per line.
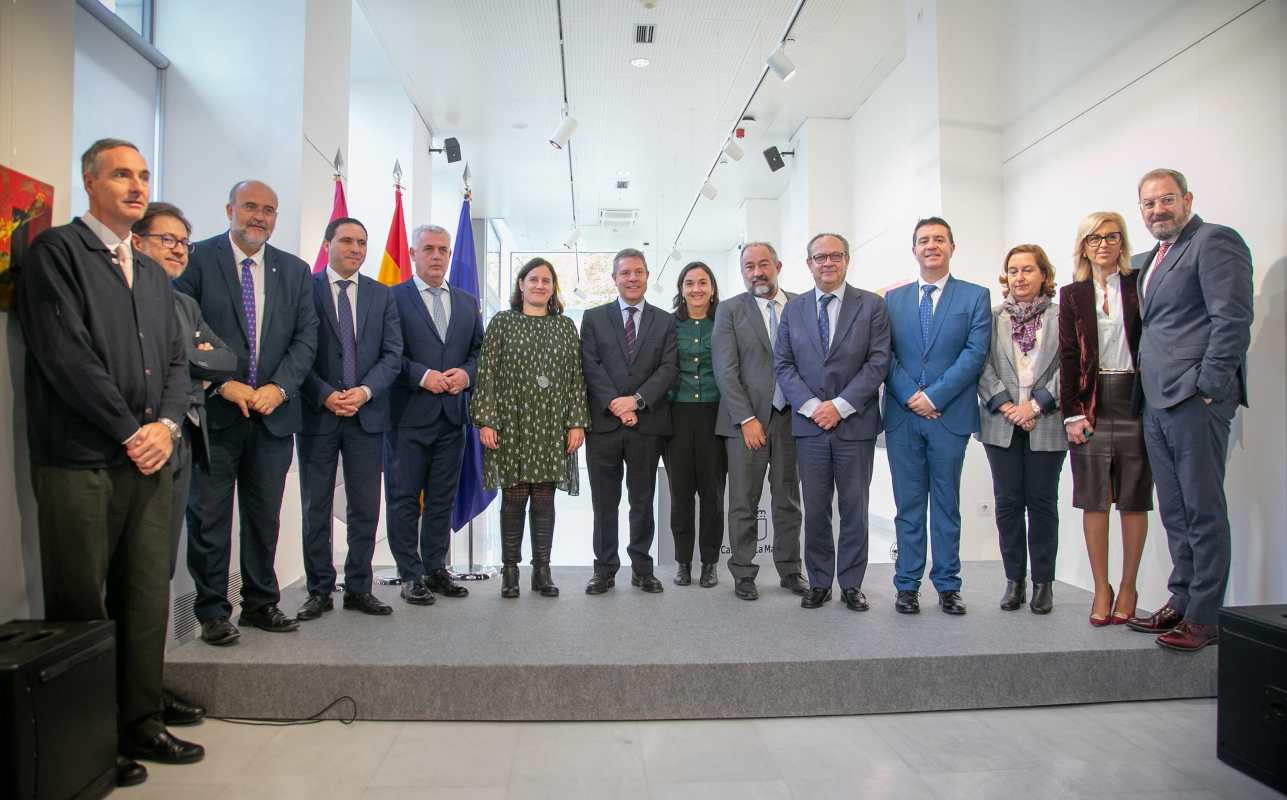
287,325
853,367
959,340
609,375
379,355
411,405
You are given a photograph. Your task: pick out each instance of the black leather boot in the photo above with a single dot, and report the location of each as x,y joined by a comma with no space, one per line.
1015,593
509,581
542,581
683,573
1043,598
709,576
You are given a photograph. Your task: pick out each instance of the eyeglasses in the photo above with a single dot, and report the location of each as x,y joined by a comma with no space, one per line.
168,241
1095,239
822,258
1165,201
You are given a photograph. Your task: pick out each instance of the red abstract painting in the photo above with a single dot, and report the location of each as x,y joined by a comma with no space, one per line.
26,210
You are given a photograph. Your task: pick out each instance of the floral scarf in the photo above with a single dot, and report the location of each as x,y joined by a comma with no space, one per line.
1025,319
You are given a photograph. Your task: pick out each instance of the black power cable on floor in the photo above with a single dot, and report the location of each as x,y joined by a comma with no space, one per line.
313,720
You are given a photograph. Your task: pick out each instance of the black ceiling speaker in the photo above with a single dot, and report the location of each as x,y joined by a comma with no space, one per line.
774,157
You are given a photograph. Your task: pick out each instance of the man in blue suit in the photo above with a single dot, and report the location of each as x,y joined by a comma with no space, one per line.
259,300
942,329
831,357
441,334
346,410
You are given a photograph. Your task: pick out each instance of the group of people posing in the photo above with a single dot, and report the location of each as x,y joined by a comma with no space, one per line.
152,404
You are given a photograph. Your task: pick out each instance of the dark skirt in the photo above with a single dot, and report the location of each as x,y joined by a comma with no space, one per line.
1113,464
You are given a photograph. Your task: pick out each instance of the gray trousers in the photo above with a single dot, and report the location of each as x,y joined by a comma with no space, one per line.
746,469
181,464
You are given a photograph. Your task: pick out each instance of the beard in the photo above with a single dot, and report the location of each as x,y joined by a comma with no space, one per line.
1166,228
763,289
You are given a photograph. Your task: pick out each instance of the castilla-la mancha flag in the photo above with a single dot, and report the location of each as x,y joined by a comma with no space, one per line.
395,267
339,208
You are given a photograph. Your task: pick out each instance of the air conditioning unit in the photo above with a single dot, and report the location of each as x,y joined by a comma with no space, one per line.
618,218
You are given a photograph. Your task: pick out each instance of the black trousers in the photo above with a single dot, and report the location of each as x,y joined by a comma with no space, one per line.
421,460
609,456
1026,481
696,464
180,490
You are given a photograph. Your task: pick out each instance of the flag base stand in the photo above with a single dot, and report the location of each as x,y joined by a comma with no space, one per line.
473,571
388,577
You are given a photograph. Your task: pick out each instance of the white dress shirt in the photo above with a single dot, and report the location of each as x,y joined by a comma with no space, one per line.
1148,276
833,314
332,279
122,258
1114,350
1025,367
778,300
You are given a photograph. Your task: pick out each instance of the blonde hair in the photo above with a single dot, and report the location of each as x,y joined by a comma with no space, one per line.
1082,268
1043,264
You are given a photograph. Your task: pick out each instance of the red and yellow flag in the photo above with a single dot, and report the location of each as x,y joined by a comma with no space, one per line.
395,267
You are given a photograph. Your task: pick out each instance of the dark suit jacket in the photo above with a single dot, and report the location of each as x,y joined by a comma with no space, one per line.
609,375
217,365
1079,343
1196,317
853,367
423,349
287,325
742,357
379,355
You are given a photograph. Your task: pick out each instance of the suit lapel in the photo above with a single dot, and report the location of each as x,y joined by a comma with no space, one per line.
849,306
322,292
1172,257
619,327
1005,338
761,327
809,310
1049,350
364,300
941,310
272,289
230,270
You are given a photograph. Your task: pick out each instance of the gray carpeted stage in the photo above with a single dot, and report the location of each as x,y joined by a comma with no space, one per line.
686,654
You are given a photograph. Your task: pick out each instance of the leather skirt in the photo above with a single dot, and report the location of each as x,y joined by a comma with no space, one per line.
1113,465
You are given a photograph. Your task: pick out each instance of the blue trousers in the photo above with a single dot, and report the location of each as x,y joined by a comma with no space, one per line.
421,460
925,461
831,466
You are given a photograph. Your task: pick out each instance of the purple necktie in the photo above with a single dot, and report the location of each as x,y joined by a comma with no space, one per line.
248,303
348,341
630,332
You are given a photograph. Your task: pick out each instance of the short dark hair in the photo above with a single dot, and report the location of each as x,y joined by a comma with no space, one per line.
681,307
921,223
808,249
741,252
159,209
89,159
1162,172
553,306
335,224
628,252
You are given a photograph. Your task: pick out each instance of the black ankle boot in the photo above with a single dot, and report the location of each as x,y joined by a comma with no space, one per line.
1043,598
709,577
683,573
543,582
1015,593
509,581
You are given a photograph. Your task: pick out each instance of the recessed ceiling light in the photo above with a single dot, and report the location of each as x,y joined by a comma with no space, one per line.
623,173
639,62
519,126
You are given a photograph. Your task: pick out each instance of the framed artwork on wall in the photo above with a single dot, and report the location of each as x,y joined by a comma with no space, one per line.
26,210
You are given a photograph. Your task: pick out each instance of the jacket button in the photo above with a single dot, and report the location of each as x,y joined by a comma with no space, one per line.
147,372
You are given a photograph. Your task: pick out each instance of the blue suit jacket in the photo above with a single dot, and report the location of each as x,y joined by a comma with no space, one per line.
287,325
379,355
423,349
959,340
853,367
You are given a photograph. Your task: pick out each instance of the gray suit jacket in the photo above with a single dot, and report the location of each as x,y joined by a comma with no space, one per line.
1195,315
742,357
999,384
217,365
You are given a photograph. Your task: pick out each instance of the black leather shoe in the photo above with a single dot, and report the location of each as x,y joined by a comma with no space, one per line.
745,589
951,603
648,583
710,576
683,573
509,581
268,618
367,603
854,599
314,607
796,583
1015,594
439,582
163,748
815,598
129,772
600,584
1043,598
177,712
219,631
907,602
543,581
415,593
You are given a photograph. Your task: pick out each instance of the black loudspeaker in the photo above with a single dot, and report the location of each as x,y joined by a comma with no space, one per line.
57,709
1252,715
452,145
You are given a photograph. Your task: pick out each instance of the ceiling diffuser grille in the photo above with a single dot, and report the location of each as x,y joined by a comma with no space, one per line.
644,33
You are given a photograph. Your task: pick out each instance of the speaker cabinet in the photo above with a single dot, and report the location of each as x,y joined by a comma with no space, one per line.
1252,716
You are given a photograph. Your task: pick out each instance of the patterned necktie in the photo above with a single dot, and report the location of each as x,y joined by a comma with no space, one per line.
824,322
439,313
248,304
927,316
630,332
1157,262
779,399
125,260
348,339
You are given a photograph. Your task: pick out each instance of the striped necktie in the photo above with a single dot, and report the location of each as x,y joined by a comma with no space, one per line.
248,305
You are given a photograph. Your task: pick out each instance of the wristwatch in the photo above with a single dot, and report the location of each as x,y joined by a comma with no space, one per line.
176,433
639,402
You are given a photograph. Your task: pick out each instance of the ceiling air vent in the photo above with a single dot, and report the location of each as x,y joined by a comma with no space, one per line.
623,184
617,218
644,33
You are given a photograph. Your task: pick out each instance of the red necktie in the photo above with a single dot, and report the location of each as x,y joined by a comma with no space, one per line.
1157,262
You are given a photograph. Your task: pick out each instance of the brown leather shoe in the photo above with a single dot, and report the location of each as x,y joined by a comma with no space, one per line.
1190,637
1160,621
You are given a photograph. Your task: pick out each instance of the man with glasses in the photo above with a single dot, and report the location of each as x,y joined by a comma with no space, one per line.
942,331
1195,309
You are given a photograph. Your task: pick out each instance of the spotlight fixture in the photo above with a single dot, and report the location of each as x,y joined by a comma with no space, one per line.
676,256
564,132
709,191
450,146
579,292
572,238
781,65
774,157
639,62
733,150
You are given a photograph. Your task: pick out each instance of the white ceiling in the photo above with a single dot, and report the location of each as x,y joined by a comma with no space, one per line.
487,72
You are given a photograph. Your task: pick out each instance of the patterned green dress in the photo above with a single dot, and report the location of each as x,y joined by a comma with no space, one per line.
530,388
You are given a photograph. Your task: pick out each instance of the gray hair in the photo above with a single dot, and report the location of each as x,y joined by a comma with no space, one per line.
628,252
772,250
89,159
1163,172
232,193
808,250
421,230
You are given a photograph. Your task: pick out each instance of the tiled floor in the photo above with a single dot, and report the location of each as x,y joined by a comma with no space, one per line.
1163,749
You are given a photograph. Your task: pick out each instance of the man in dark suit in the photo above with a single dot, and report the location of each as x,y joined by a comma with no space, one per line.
107,384
755,421
831,357
442,332
941,330
259,300
1195,309
628,356
346,411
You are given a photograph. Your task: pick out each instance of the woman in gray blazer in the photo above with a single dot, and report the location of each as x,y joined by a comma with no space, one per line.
1020,429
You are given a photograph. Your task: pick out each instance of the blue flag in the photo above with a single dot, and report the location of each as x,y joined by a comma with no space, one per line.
472,498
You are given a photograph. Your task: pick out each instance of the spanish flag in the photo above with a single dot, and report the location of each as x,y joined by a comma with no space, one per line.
395,267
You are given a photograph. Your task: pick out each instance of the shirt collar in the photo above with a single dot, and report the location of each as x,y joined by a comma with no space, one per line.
239,256
334,277
778,300
921,283
105,234
423,287
624,305
838,293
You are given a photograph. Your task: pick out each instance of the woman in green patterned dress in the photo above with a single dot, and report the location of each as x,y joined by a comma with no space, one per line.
530,408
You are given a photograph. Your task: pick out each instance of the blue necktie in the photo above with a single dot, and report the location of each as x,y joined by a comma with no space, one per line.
779,399
824,322
248,305
348,340
927,316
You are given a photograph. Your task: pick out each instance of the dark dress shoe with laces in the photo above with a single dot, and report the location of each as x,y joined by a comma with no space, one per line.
219,631
796,583
951,603
815,598
1015,594
164,748
1160,621
745,589
269,618
314,607
648,583
177,712
709,576
907,602
854,599
1043,598
683,573
439,582
129,772
415,593
1189,637
367,603
600,584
